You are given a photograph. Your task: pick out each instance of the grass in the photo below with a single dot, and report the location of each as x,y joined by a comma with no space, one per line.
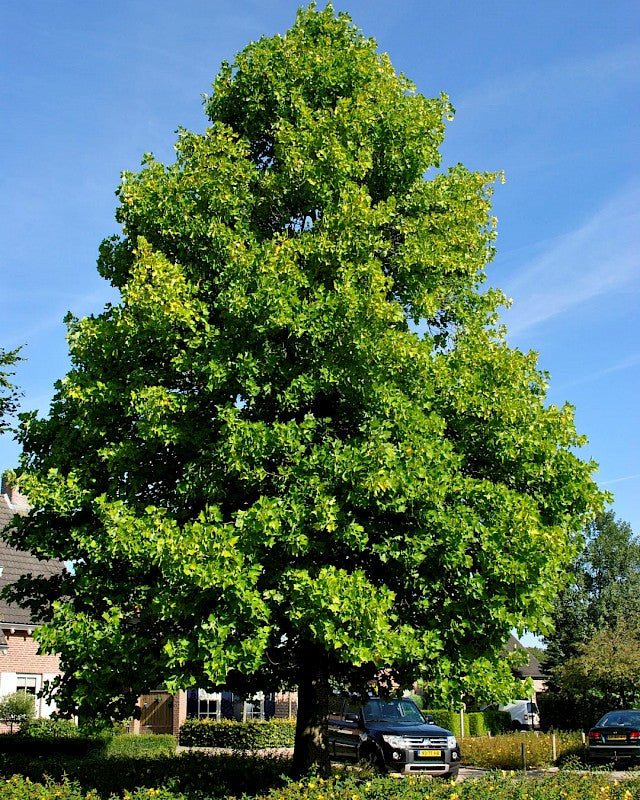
505,751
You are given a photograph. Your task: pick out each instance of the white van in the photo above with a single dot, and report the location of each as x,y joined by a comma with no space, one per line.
524,715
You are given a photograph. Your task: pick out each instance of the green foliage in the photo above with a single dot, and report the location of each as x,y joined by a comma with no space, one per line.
355,787
603,675
299,447
447,719
593,653
19,788
604,589
17,708
237,735
8,393
50,728
495,786
196,775
476,723
50,746
62,737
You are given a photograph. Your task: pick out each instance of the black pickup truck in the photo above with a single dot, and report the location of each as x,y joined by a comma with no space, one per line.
392,735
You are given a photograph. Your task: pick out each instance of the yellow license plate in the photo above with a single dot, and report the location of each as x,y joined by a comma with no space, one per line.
429,753
616,738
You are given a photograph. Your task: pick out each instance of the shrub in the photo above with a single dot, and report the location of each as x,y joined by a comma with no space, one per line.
44,746
19,788
448,719
196,775
17,708
50,728
476,723
252,735
495,786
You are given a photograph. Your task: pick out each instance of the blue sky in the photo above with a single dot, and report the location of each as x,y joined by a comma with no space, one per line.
546,91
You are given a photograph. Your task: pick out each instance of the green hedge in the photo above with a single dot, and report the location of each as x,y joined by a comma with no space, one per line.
45,746
252,735
476,723
198,775
78,746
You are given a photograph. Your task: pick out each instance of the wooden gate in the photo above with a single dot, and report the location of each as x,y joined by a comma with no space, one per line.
156,713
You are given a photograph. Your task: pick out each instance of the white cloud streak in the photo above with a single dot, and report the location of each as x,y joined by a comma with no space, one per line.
599,258
615,69
621,480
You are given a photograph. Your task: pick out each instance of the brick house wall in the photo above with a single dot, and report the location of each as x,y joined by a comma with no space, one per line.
21,668
22,660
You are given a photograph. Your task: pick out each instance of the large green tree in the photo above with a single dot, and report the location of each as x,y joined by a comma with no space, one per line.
602,590
593,649
299,450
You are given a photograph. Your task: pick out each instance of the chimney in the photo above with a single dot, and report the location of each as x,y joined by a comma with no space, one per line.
16,500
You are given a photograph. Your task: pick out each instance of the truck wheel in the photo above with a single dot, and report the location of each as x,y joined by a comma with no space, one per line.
375,760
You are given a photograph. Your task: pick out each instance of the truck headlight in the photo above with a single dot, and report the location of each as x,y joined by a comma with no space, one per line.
394,741
451,742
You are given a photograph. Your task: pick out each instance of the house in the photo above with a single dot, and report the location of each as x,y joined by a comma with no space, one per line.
21,668
161,712
533,669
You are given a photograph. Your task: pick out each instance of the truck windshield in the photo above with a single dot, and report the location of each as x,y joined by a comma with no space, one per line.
396,711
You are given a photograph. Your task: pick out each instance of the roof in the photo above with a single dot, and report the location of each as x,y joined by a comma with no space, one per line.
531,670
16,563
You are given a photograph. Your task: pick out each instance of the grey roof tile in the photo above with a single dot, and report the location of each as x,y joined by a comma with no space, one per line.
16,563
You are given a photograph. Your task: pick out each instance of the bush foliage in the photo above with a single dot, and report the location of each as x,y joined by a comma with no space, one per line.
354,786
17,708
237,735
52,728
476,723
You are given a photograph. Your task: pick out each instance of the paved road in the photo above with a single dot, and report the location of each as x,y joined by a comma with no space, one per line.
617,775
465,773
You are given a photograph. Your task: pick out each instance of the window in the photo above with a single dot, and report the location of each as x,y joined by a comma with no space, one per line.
208,705
27,684
253,708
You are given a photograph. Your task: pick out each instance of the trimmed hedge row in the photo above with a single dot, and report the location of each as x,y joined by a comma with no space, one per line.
78,746
251,735
476,723
197,775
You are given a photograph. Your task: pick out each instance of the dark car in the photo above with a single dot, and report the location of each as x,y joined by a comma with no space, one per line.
615,737
392,735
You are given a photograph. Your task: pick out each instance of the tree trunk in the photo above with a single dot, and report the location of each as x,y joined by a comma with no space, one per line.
310,749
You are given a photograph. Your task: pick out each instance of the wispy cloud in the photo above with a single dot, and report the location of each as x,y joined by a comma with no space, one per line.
617,67
600,257
626,363
620,480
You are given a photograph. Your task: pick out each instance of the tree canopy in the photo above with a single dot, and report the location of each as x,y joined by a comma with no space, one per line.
592,652
603,588
9,394
299,449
